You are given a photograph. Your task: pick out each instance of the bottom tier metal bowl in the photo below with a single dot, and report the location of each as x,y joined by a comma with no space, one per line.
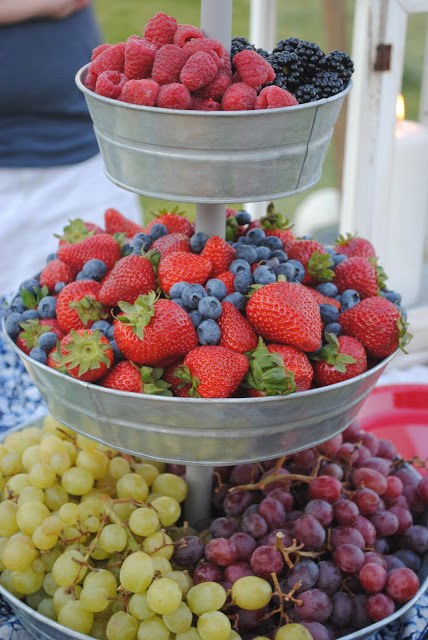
201,431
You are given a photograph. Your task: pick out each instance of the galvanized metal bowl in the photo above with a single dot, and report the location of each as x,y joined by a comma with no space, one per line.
212,157
201,431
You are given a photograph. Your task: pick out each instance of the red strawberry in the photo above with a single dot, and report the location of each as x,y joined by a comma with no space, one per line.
87,355
376,323
56,271
154,332
78,230
315,259
236,332
102,246
130,277
33,329
177,386
183,267
351,246
115,222
175,221
220,254
213,371
321,299
171,243
228,278
359,274
267,375
341,359
286,313
274,224
54,359
78,305
296,361
126,376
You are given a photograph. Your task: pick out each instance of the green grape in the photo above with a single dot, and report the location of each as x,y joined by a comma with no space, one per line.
6,582
121,626
77,481
160,466
63,595
123,510
136,572
236,636
11,464
94,461
55,497
179,620
147,471
3,542
94,598
168,484
38,565
69,513
102,578
72,451
18,553
159,544
16,442
31,456
45,607
26,581
152,496
48,558
293,632
251,592
168,509
214,625
164,596
30,515
31,494
32,435
67,569
44,541
52,525
161,565
144,521
131,485
153,629
184,581
49,584
92,524
119,467
85,443
113,538
91,505
74,616
16,484
190,634
60,462
206,596
42,475
99,628
139,608
8,523
49,446
34,599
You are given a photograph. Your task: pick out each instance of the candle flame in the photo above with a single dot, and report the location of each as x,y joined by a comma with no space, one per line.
400,108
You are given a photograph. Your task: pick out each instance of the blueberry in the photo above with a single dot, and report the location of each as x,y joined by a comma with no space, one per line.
47,307
237,266
12,324
38,355
158,230
292,270
231,243
349,299
101,325
273,242
242,217
243,281
192,294
256,236
127,249
195,317
235,298
264,275
198,241
94,269
208,332
327,289
329,313
338,297
177,289
216,288
210,307
246,252
117,353
141,241
6,311
281,255
110,333
330,250
338,258
180,302
59,286
263,253
81,276
17,305
311,354
30,314
50,257
299,270
392,296
283,270
333,327
272,263
241,240
47,341
31,285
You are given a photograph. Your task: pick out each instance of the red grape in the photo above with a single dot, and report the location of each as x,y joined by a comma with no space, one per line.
352,431
349,558
331,447
255,525
244,544
360,616
329,577
284,496
316,605
188,550
346,512
380,607
271,537
223,527
276,483
394,487
423,489
207,572
393,562
236,502
367,530
332,469
363,454
371,479
367,501
347,535
382,465
310,532
405,519
321,510
305,571
402,585
372,556
244,474
302,461
387,449
342,609
348,453
221,551
237,570
325,488
265,560
317,630
273,512
372,577
410,559
385,522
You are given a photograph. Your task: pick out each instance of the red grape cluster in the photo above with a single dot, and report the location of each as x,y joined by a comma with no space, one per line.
336,530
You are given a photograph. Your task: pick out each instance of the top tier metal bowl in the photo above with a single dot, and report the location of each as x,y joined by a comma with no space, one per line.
215,157
200,431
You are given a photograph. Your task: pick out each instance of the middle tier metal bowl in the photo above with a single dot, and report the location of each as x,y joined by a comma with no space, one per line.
212,157
201,431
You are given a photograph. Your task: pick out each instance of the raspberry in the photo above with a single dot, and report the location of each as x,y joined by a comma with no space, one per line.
198,71
90,81
101,47
204,44
216,88
111,59
174,96
253,69
139,57
109,83
168,63
160,29
142,92
274,98
239,97
205,104
186,32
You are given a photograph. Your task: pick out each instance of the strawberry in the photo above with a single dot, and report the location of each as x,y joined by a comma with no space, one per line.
115,222
267,375
87,355
33,329
154,332
54,359
177,386
219,253
102,246
78,230
228,278
56,271
171,243
212,371
78,305
321,299
274,224
174,220
130,277
126,376
236,332
340,359
359,274
351,246
378,324
296,361
315,259
285,312
183,267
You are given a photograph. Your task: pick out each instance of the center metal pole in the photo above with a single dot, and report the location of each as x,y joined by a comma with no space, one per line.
199,481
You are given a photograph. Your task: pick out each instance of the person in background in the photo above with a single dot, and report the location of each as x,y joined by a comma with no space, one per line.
51,169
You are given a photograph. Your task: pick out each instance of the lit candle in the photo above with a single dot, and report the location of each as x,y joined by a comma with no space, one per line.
403,259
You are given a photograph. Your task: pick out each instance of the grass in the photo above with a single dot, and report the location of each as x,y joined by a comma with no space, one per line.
303,19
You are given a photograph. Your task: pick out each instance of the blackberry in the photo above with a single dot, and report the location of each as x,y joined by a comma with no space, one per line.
289,44
288,69
262,52
306,93
327,83
311,56
340,63
239,44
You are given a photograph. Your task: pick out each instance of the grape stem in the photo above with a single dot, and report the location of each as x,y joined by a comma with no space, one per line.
273,478
284,618
294,548
109,504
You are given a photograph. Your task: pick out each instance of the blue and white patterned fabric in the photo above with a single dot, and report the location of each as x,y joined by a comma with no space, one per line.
20,401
